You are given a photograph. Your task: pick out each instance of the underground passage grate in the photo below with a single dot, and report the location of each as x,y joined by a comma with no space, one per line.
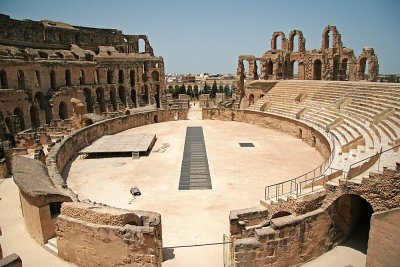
195,173
246,145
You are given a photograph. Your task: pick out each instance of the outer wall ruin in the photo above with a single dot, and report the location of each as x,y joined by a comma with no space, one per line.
333,61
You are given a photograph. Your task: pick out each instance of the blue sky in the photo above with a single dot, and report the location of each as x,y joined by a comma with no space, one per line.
208,36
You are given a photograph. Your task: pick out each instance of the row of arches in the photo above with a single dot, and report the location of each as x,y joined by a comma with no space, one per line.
68,81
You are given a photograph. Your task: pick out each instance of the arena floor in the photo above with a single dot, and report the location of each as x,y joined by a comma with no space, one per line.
190,217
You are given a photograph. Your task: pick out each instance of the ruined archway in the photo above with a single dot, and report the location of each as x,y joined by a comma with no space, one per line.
53,81
133,98
157,96
363,65
67,77
113,99
351,219
121,76
34,114
293,70
155,76
100,99
62,110
122,94
251,99
3,79
89,100
317,69
21,80
20,120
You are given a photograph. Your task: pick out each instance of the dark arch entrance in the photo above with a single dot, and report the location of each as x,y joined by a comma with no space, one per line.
351,218
34,113
157,96
113,99
317,68
21,120
251,99
133,98
122,95
63,110
89,100
100,99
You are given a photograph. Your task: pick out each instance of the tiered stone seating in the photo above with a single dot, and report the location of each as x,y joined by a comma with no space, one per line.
359,134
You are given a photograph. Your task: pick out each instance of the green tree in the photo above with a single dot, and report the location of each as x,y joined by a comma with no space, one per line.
214,89
227,91
221,89
196,91
206,88
189,91
182,89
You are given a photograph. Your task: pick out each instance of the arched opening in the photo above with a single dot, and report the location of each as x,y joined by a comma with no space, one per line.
155,76
58,54
20,120
144,72
53,82
100,99
155,118
113,99
317,69
279,74
294,42
43,55
344,70
21,80
122,94
294,70
246,69
328,39
67,77
141,46
82,77
351,218
62,110
278,42
110,76
132,77
87,121
34,114
133,98
335,69
37,75
364,68
145,96
157,96
89,100
270,69
121,77
3,79
251,99
280,214
257,69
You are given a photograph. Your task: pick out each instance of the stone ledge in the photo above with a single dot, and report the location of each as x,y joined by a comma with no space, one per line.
291,220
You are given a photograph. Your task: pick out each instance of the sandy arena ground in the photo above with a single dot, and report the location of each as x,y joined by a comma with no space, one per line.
238,175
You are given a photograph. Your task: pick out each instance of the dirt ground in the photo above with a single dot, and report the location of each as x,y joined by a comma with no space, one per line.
192,217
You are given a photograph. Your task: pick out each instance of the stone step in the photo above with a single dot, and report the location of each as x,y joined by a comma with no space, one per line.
51,246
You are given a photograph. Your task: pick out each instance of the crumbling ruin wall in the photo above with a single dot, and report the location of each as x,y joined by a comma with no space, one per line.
331,62
320,223
118,237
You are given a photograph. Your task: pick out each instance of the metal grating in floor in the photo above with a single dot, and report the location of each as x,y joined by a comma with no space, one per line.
246,145
195,173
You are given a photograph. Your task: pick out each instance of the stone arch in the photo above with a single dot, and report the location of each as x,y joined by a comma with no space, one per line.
141,45
317,69
68,77
21,79
133,98
53,81
293,70
351,215
82,79
155,76
113,99
110,76
344,70
270,68
62,110
89,100
3,79
122,94
145,95
34,114
21,120
300,41
368,63
132,77
336,67
326,39
121,76
157,96
100,99
274,41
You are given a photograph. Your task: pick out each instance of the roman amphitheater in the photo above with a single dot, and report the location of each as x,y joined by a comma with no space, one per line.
99,166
